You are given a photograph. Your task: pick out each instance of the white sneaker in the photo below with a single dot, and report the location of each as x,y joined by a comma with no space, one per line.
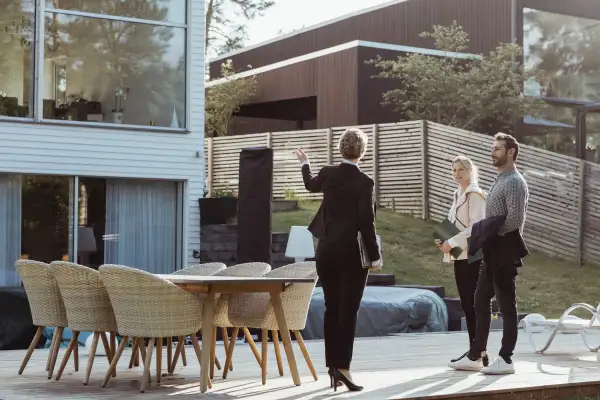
466,364
499,367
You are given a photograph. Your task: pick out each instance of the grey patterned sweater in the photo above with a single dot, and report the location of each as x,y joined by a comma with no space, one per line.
508,196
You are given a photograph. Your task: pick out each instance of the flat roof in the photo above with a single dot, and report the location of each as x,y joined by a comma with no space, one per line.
308,28
342,47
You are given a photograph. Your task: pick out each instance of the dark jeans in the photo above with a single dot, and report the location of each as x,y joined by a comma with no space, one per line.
501,282
466,276
343,281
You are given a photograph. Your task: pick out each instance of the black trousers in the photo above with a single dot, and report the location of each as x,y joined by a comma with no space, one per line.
501,282
467,276
343,281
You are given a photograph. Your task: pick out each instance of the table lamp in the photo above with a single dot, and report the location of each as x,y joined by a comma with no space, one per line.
300,245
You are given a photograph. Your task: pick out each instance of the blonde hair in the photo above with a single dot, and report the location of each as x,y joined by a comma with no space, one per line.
353,144
469,166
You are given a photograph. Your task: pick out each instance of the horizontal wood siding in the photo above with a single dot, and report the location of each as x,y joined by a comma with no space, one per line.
556,205
29,148
488,23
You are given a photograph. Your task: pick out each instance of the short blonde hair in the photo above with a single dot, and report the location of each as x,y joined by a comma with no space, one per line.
469,165
353,144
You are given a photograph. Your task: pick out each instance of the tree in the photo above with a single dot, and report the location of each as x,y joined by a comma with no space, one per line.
483,94
225,98
226,22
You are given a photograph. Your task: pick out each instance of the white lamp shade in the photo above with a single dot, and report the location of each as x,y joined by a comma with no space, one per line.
300,243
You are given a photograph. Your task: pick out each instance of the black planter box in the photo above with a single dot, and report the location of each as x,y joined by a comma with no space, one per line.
217,210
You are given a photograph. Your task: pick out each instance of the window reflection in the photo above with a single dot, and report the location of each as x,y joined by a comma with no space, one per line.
554,130
17,27
114,71
566,48
156,10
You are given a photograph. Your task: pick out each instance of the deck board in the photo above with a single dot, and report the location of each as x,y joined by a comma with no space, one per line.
396,367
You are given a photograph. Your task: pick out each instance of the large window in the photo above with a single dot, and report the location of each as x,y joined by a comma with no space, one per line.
566,48
91,221
17,36
104,62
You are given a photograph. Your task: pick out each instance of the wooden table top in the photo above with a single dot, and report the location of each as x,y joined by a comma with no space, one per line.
214,280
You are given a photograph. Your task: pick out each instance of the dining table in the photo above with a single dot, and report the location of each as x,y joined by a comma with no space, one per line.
210,286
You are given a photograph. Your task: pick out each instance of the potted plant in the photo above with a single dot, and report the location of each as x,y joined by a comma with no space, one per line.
220,208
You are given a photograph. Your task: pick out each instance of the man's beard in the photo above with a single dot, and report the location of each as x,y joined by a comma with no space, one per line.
498,162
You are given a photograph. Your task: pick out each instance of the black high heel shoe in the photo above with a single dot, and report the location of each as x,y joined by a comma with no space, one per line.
330,372
338,377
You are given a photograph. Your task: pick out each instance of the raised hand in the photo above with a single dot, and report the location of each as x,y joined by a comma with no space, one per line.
301,155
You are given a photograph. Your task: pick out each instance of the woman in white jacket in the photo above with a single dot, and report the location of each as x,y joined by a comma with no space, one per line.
468,207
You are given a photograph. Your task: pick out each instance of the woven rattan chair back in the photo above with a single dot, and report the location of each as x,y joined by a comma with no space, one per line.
43,294
256,311
250,270
148,306
86,300
201,269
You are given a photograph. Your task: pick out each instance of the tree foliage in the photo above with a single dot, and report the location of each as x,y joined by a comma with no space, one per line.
225,98
483,93
226,22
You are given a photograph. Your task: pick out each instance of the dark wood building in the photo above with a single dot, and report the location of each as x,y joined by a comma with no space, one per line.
317,77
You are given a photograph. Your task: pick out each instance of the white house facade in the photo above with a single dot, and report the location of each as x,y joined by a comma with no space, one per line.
101,132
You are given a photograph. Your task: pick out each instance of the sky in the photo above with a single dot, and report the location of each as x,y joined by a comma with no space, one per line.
287,15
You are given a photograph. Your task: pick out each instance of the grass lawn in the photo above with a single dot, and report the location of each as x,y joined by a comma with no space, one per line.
546,285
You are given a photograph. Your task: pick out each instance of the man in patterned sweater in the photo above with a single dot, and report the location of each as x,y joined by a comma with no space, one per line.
508,198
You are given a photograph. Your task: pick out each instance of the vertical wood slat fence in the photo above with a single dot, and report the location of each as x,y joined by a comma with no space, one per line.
410,163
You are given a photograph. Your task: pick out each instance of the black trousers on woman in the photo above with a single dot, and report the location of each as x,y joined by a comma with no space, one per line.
343,280
467,276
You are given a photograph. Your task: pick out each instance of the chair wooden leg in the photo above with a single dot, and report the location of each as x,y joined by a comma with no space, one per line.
34,342
230,348
176,356
109,355
115,360
72,344
144,352
113,348
159,343
76,355
213,356
305,353
198,352
264,357
91,357
134,352
58,332
169,354
226,344
183,355
146,377
51,353
252,345
277,351
138,354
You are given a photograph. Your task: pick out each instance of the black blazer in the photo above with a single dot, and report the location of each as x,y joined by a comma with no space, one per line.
347,206
498,251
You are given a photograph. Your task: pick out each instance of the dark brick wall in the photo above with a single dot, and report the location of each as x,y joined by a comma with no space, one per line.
219,243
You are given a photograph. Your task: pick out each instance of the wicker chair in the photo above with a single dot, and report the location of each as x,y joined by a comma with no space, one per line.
88,309
149,307
254,310
198,270
252,269
47,308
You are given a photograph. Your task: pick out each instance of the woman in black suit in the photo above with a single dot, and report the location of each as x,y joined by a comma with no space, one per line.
346,210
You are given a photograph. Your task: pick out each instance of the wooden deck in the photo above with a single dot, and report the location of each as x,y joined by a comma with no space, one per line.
403,366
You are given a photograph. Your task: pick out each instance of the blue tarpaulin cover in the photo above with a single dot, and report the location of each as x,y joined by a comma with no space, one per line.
386,310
